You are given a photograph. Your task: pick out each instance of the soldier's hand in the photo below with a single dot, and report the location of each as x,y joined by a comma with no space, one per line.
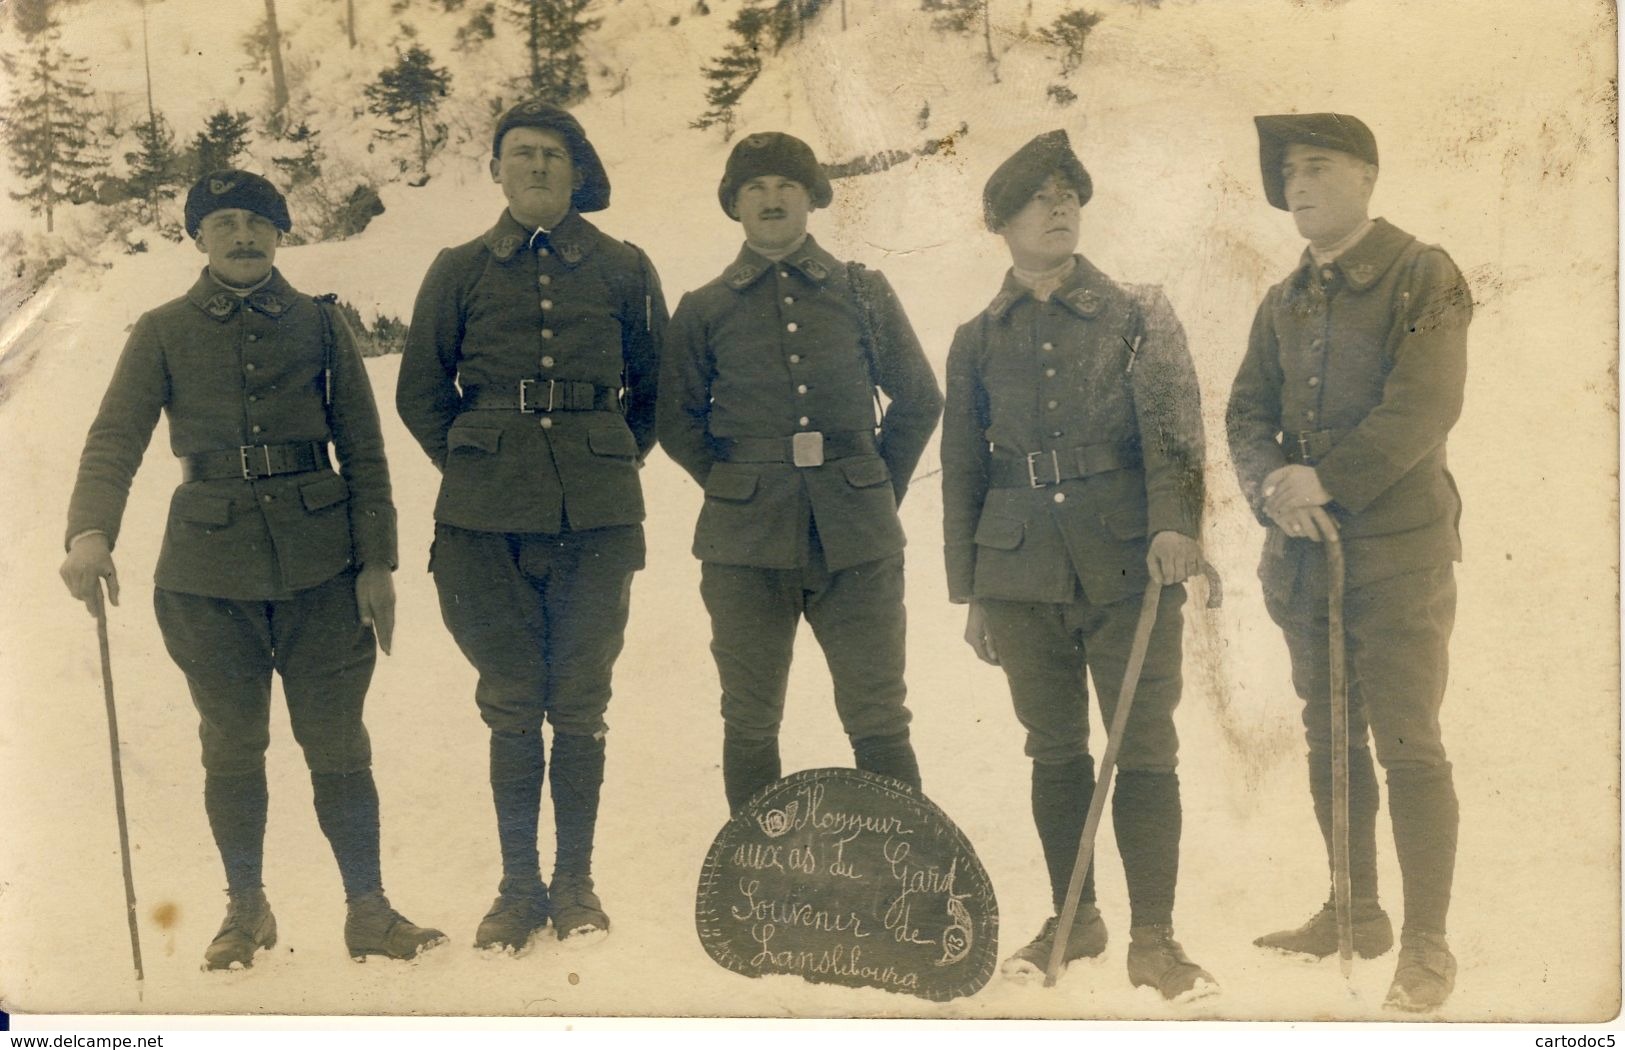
1293,487
1310,523
1173,558
89,561
375,597
976,635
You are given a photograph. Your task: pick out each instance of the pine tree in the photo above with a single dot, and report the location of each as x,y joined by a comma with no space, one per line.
733,72
304,165
1067,34
961,16
554,30
154,166
47,126
408,94
224,137
32,17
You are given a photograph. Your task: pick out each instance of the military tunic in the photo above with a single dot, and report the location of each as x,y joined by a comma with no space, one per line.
529,378
765,352
1073,434
1357,368
255,572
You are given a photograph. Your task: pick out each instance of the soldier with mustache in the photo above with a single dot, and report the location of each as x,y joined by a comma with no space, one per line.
1072,455
529,378
271,560
768,400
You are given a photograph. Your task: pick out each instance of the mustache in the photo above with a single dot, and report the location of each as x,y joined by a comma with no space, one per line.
245,253
771,213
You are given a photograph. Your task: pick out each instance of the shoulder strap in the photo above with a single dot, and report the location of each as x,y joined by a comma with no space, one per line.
866,321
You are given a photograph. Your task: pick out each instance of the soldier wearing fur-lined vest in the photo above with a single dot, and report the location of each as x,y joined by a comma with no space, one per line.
1072,456
1353,377
271,560
529,378
768,400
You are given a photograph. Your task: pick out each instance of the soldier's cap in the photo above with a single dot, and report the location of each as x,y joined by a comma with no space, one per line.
773,153
1337,131
593,193
1015,181
231,188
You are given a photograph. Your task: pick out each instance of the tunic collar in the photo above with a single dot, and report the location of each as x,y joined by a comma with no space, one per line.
1363,264
1084,292
572,238
273,298
810,259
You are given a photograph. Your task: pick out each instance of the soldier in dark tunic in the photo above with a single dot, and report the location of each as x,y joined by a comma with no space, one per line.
529,377
768,401
1072,456
1337,422
271,560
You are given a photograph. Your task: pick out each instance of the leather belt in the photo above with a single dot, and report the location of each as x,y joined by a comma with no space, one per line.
256,461
807,449
1311,446
1041,469
542,395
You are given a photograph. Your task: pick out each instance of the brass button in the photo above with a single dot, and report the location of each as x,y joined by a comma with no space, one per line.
547,304
1055,433
547,362
1310,415
547,333
1060,497
804,420
1314,380
1049,373
790,327
784,273
256,428
544,251
795,359
1317,345
544,280
1049,346
802,389
266,498
547,422
789,299
253,338
1327,274
253,398
1054,405
249,367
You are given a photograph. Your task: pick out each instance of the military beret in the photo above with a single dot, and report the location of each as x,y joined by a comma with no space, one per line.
1011,186
1337,131
593,193
773,153
230,188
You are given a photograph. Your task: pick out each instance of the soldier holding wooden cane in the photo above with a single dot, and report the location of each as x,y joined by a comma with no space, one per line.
1337,423
271,560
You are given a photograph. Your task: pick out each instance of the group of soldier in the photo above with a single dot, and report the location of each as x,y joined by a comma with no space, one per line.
541,368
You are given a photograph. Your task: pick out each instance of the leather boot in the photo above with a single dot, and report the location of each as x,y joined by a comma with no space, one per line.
249,926
372,927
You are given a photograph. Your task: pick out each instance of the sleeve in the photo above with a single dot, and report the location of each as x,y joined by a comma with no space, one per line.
119,436
1168,406
905,377
684,411
1422,395
426,393
359,440
644,336
965,459
1252,419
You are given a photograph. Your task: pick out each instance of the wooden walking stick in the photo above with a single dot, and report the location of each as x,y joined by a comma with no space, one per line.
1337,646
118,786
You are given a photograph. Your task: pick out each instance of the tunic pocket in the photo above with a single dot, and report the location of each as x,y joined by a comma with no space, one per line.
865,472
477,439
612,441
734,486
324,492
200,508
1126,523
1004,534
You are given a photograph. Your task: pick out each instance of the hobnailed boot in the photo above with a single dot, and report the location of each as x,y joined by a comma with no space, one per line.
249,926
888,756
1373,933
1426,974
1155,960
748,765
577,911
372,927
521,910
1087,940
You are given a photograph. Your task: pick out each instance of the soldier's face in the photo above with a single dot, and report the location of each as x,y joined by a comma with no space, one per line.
1044,233
536,174
773,209
1327,191
241,244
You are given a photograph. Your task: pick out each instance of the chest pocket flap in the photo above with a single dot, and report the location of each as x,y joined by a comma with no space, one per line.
201,508
324,492
865,471
612,441
730,485
1004,534
480,439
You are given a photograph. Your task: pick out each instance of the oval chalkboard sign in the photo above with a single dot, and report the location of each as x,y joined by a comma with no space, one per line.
843,877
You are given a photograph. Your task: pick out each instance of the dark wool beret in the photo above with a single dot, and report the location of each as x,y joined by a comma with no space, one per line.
593,193
1018,178
230,188
1337,131
773,153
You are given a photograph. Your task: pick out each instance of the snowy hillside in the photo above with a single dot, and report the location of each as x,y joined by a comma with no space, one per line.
1496,122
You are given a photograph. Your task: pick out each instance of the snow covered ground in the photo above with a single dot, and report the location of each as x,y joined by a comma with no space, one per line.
1497,127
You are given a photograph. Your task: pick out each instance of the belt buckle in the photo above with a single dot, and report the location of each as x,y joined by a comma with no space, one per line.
807,448
1303,448
524,396
1032,472
248,469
